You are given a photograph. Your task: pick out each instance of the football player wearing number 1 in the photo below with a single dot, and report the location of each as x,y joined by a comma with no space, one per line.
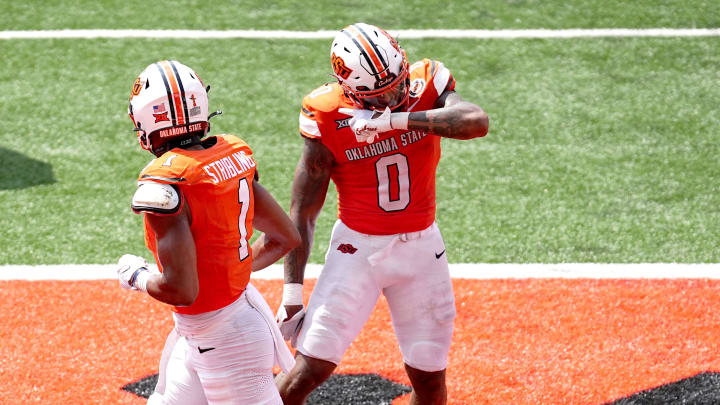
201,199
376,133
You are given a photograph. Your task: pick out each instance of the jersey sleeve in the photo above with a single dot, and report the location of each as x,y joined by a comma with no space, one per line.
430,75
170,168
441,77
157,191
319,110
308,125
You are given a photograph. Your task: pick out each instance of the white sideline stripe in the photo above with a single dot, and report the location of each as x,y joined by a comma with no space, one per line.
402,34
481,271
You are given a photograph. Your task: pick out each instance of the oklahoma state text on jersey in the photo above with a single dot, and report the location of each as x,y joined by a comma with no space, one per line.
388,186
217,184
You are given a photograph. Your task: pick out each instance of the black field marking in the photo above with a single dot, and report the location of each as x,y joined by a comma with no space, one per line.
700,389
143,387
357,389
339,389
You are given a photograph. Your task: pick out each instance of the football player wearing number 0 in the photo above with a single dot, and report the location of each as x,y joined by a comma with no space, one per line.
376,133
201,200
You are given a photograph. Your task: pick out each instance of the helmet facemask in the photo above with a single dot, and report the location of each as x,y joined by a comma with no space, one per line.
394,94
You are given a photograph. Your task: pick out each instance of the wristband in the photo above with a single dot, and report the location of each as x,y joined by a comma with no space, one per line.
399,120
140,278
292,294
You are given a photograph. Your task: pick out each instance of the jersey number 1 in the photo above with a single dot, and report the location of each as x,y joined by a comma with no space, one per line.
244,201
393,176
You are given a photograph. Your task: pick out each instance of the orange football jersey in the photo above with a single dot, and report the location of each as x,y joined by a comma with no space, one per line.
388,186
217,184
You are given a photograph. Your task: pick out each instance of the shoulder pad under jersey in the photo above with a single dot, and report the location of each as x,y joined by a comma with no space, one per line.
235,141
157,198
426,72
318,107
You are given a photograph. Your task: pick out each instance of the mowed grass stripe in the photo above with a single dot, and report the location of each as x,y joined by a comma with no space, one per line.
332,15
600,150
329,34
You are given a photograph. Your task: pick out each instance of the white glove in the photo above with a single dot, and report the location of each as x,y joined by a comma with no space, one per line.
130,268
368,124
359,124
290,328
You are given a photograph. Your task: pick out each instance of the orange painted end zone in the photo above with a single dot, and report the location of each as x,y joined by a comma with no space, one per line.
547,341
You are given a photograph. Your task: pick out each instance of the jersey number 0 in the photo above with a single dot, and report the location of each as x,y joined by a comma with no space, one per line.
393,176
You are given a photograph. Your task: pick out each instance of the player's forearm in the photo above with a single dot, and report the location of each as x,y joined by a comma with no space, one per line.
279,232
169,292
265,252
309,188
460,121
268,250
297,259
178,284
305,206
170,289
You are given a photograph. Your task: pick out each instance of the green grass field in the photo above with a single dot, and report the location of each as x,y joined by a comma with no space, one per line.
297,15
600,150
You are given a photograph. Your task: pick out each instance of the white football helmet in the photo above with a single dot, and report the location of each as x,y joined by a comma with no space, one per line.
370,66
168,105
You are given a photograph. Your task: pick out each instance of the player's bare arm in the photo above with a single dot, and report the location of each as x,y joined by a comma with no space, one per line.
453,118
279,233
178,283
310,184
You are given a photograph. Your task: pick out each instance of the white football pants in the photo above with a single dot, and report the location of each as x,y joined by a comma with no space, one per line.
411,270
222,357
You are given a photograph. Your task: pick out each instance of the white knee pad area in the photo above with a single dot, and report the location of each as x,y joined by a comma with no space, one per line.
427,356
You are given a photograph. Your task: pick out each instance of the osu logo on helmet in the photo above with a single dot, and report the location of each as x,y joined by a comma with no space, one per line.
339,67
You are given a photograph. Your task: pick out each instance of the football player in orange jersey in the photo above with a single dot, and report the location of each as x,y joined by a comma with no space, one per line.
201,200
376,133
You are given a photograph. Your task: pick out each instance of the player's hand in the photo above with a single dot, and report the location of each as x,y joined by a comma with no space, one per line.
290,319
128,268
367,124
